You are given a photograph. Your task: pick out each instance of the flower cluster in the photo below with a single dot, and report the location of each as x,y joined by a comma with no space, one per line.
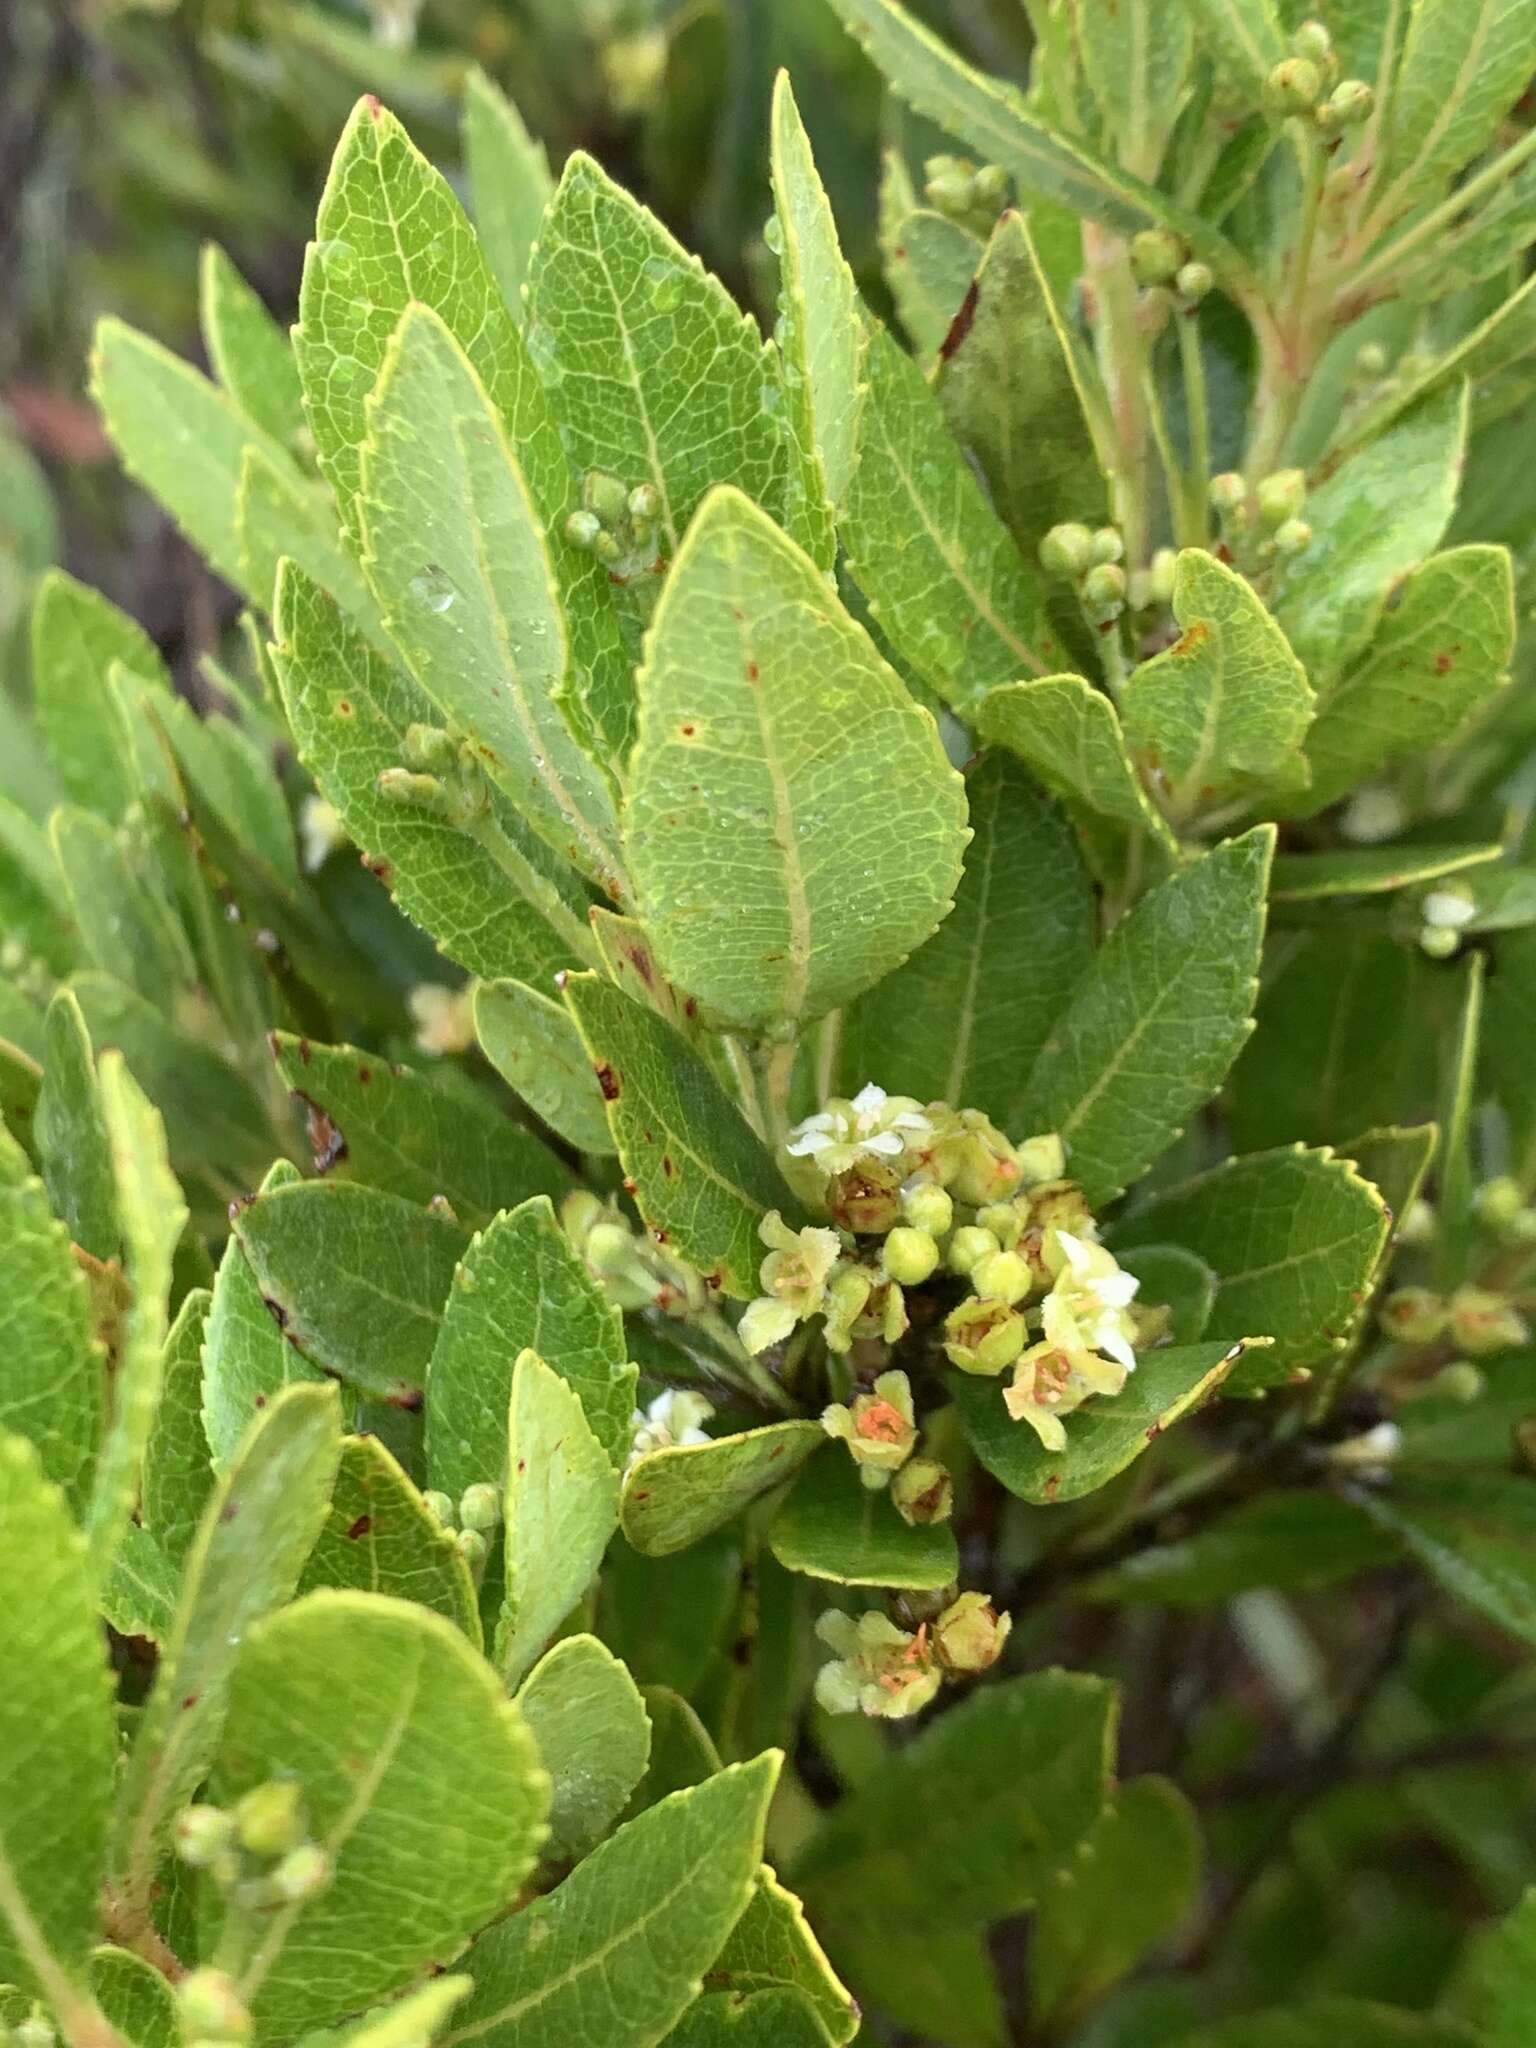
633,1272
259,1852
913,1190
1474,1319
891,1673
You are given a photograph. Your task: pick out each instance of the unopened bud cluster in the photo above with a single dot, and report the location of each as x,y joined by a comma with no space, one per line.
888,1672
879,1426
1092,561
261,1853
1474,1319
632,1270
1306,86
1445,914
1278,499
440,773
617,524
1160,261
969,194
472,1522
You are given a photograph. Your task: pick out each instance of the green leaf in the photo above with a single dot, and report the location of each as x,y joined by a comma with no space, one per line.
673,1497
1103,1437
278,515
772,1945
929,262
819,333
127,924
240,1564
393,1127
561,1507
379,1536
1463,67
391,234
1342,1040
999,1792
944,581
135,1998
58,1744
703,1180
1136,58
1154,1024
1227,700
834,1527
181,438
1474,1533
681,1751
589,1722
958,1022
33,903
531,1042
408,2022
1438,656
250,353
509,181
153,1217
419,1780
178,1474
501,903
778,2017
51,1370
1495,1981
1369,870
77,634
1509,1023
776,879
993,118
1245,40
1010,389
1068,735
1455,1164
668,1617
653,375
1101,1916
620,1949
70,1131
455,551
521,1287
1394,1160
356,1277
1175,1279
1293,1238
1374,519
246,1356
1286,1540
138,1597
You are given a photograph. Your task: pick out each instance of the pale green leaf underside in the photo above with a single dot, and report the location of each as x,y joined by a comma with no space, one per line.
587,1718
673,1497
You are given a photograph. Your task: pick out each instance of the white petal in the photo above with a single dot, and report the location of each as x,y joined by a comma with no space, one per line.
868,1098
1075,1249
1117,1290
887,1143
1113,1345
808,1145
911,1120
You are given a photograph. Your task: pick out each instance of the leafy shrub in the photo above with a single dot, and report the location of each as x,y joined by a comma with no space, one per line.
925,1074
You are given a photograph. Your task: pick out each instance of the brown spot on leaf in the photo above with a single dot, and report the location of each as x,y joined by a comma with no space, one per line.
1053,1486
668,1166
960,326
1192,639
364,1076
411,1399
753,672
381,870
359,1528
276,1311
607,1080
1443,664
326,1141
375,111
344,707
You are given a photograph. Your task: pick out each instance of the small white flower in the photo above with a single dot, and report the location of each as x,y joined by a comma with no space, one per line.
1087,1304
1448,909
320,831
873,1124
673,1418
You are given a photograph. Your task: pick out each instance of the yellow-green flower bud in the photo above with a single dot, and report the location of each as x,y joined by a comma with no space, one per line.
203,1833
1293,537
1461,1380
480,1508
952,192
1499,1202
429,746
1044,1157
34,2032
604,495
473,1548
1439,941
969,1243
1104,592
644,504
209,2007
1482,1322
1067,550
927,1206
983,1337
1413,1315
909,1256
991,186
1156,255
1349,105
969,1635
1419,1225
1293,87
1228,492
609,1247
1005,1220
1108,544
1001,1276
1312,41
439,1506
583,530
1371,361
923,1492
404,788
303,1873
270,1818
1193,283
1281,496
